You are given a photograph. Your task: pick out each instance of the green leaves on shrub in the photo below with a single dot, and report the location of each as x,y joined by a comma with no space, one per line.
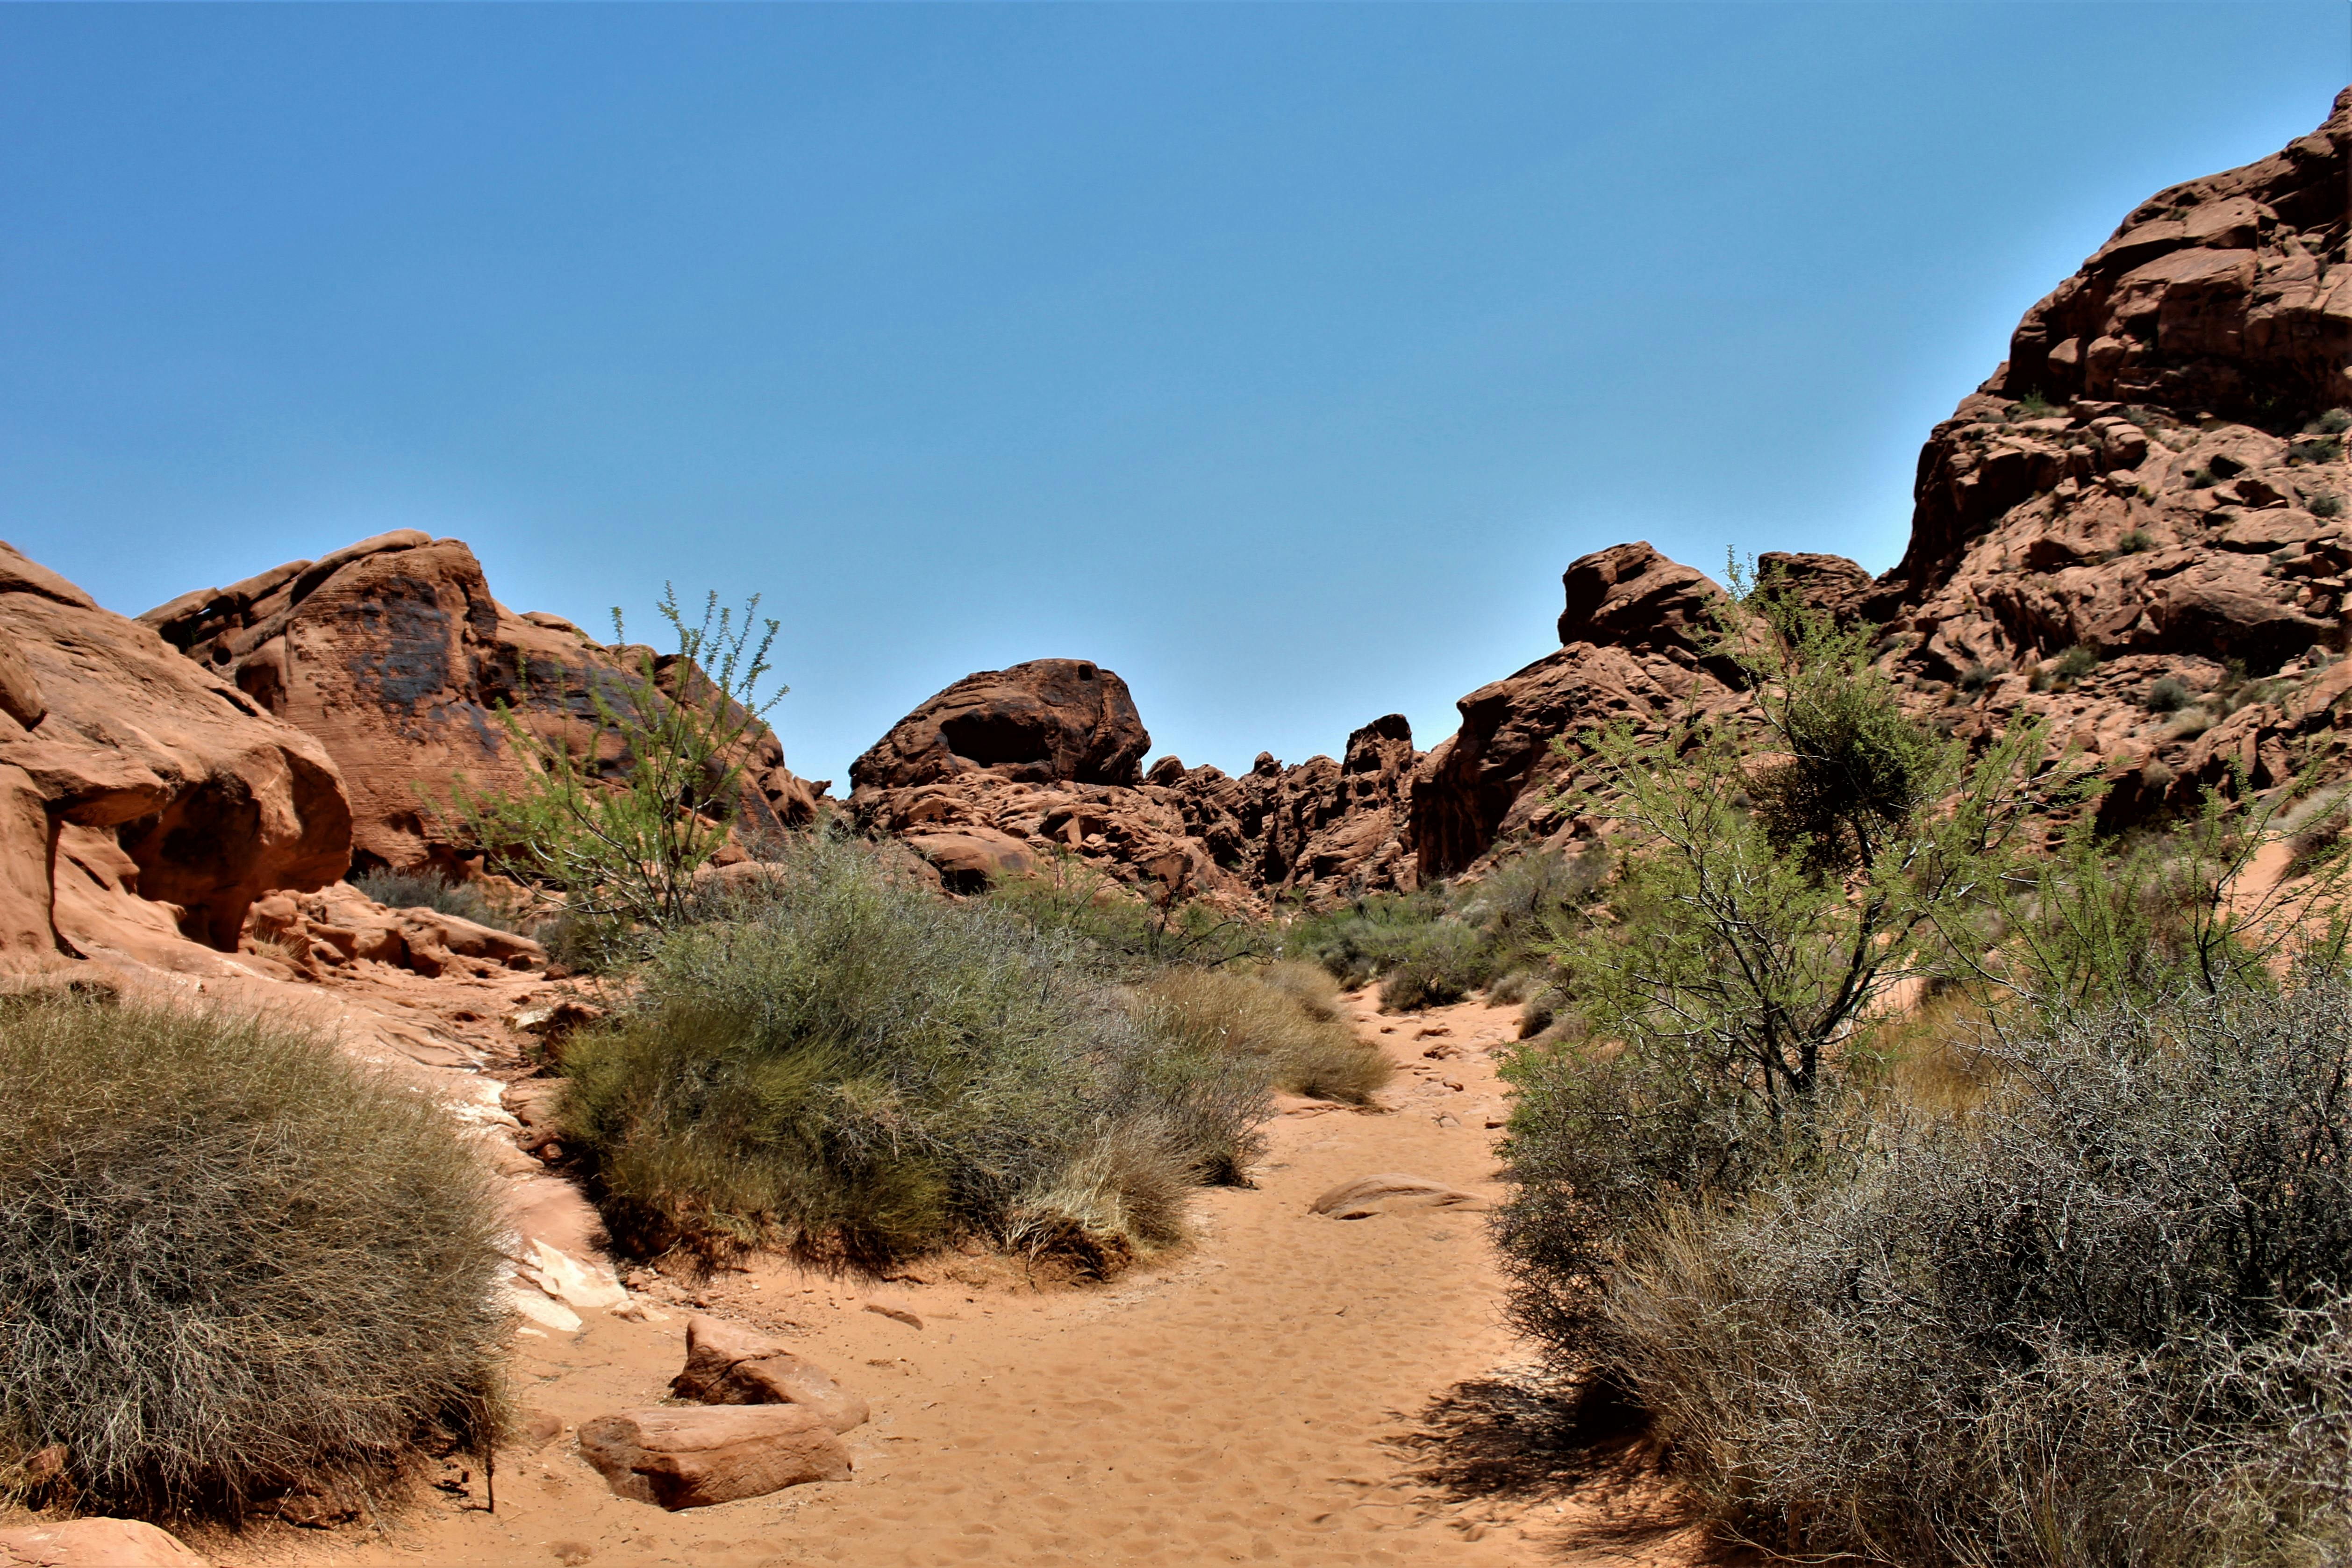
621,851
846,1064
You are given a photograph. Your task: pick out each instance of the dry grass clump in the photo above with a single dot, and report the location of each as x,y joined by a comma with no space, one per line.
846,1064
2100,1319
231,1262
429,887
1300,1046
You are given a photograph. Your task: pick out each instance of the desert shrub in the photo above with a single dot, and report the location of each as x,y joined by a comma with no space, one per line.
2314,448
429,888
1420,982
1750,946
2327,503
230,1260
1298,1046
620,842
2034,405
1977,677
2139,541
2334,422
1127,933
2075,663
2099,1318
2168,695
843,1062
1366,936
1313,988
1515,986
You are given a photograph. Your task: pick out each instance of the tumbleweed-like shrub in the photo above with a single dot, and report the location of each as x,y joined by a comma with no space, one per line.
2101,1318
1300,1046
843,1062
231,1261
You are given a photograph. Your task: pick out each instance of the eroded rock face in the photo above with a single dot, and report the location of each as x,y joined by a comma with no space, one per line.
194,796
393,655
1050,720
2222,307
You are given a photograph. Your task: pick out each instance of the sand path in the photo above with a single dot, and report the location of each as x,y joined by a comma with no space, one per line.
1254,1400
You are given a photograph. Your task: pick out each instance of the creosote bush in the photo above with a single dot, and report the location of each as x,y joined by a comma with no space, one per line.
232,1262
841,1062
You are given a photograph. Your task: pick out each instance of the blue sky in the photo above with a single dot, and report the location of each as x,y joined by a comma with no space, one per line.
1277,357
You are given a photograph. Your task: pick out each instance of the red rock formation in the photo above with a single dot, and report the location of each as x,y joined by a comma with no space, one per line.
393,655
142,788
1050,720
1635,625
1007,768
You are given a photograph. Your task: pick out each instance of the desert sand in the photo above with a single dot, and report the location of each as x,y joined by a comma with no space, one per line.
1290,1388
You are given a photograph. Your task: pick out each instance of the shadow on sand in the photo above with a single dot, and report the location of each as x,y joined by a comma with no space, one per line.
1573,1465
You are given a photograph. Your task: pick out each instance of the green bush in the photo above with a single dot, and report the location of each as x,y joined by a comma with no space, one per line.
2168,695
231,1261
430,889
1129,934
2100,1319
2327,503
1359,941
843,1062
617,843
2334,422
1439,944
1276,1021
2075,663
2139,541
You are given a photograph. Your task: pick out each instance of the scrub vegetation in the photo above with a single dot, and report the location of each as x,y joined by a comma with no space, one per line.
231,1263
1946,1184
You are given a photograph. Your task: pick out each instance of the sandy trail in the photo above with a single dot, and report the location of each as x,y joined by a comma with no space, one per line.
1254,1400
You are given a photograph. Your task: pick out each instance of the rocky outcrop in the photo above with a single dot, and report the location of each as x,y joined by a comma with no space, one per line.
2218,317
1637,625
1050,720
138,790
393,654
1311,830
2154,480
1319,828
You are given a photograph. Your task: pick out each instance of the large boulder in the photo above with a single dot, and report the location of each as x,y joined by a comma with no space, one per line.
1630,597
194,800
392,653
1050,720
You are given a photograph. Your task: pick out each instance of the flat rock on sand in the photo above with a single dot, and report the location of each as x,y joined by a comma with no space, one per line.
1369,1195
94,1543
692,1458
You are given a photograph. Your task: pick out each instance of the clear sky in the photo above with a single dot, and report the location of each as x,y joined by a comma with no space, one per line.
1278,357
